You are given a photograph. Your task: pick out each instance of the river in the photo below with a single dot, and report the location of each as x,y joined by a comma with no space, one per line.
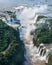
28,13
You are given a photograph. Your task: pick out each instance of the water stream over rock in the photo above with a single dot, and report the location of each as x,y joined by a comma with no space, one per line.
28,17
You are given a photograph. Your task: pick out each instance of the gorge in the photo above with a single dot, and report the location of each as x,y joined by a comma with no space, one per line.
27,16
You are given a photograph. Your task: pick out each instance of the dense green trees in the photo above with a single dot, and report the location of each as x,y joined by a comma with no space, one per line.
43,33
11,47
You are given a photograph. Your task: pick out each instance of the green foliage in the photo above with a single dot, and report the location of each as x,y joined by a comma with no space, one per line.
3,36
43,34
11,47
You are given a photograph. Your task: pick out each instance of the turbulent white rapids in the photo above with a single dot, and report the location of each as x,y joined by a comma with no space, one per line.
28,17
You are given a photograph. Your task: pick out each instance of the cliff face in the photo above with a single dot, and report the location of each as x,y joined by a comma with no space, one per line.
11,47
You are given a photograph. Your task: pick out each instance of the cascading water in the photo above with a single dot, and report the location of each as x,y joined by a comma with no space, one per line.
28,17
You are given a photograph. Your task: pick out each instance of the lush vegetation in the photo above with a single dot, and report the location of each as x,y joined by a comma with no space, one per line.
11,47
43,33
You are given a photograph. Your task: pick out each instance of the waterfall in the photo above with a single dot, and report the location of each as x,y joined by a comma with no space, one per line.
28,17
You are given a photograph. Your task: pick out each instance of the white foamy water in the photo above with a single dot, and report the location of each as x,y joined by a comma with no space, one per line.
28,17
